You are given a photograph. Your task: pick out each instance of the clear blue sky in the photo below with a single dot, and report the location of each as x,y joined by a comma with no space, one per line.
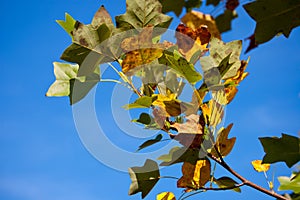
42,157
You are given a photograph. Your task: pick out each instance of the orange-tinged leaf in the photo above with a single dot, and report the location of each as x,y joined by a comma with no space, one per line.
194,176
165,196
223,144
259,167
140,50
231,90
195,19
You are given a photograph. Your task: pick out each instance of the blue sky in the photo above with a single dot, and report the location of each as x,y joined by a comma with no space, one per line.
42,156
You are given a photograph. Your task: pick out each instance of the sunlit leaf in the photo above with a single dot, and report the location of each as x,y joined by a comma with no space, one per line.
144,178
181,66
290,183
150,142
194,176
140,14
281,17
285,149
227,182
223,144
195,19
192,43
68,25
259,167
102,17
67,82
165,196
213,112
142,102
220,50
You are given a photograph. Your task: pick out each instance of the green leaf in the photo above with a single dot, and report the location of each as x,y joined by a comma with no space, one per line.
178,5
212,2
290,183
285,149
67,82
218,52
144,178
140,14
181,66
225,182
273,17
223,21
171,5
142,102
190,4
178,155
144,118
68,25
150,142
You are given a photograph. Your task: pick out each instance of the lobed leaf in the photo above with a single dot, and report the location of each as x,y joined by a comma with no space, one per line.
285,149
281,17
290,183
144,178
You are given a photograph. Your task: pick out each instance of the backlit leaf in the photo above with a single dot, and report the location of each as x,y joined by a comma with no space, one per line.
226,182
223,144
144,178
195,19
67,82
102,17
194,176
178,155
285,149
68,25
150,142
220,50
290,183
142,102
259,167
181,66
165,196
140,14
281,17
213,112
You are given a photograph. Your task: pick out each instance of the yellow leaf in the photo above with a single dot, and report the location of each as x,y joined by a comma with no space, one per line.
195,19
213,112
165,196
259,167
194,176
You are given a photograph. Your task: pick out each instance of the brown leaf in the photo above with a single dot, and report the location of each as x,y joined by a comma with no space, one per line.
223,144
194,176
190,133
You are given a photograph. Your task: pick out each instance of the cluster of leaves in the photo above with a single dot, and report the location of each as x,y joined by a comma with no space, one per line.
165,69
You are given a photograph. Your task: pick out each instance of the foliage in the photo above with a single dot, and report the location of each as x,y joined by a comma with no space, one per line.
164,69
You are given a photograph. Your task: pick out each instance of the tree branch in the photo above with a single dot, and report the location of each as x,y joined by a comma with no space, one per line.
244,180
